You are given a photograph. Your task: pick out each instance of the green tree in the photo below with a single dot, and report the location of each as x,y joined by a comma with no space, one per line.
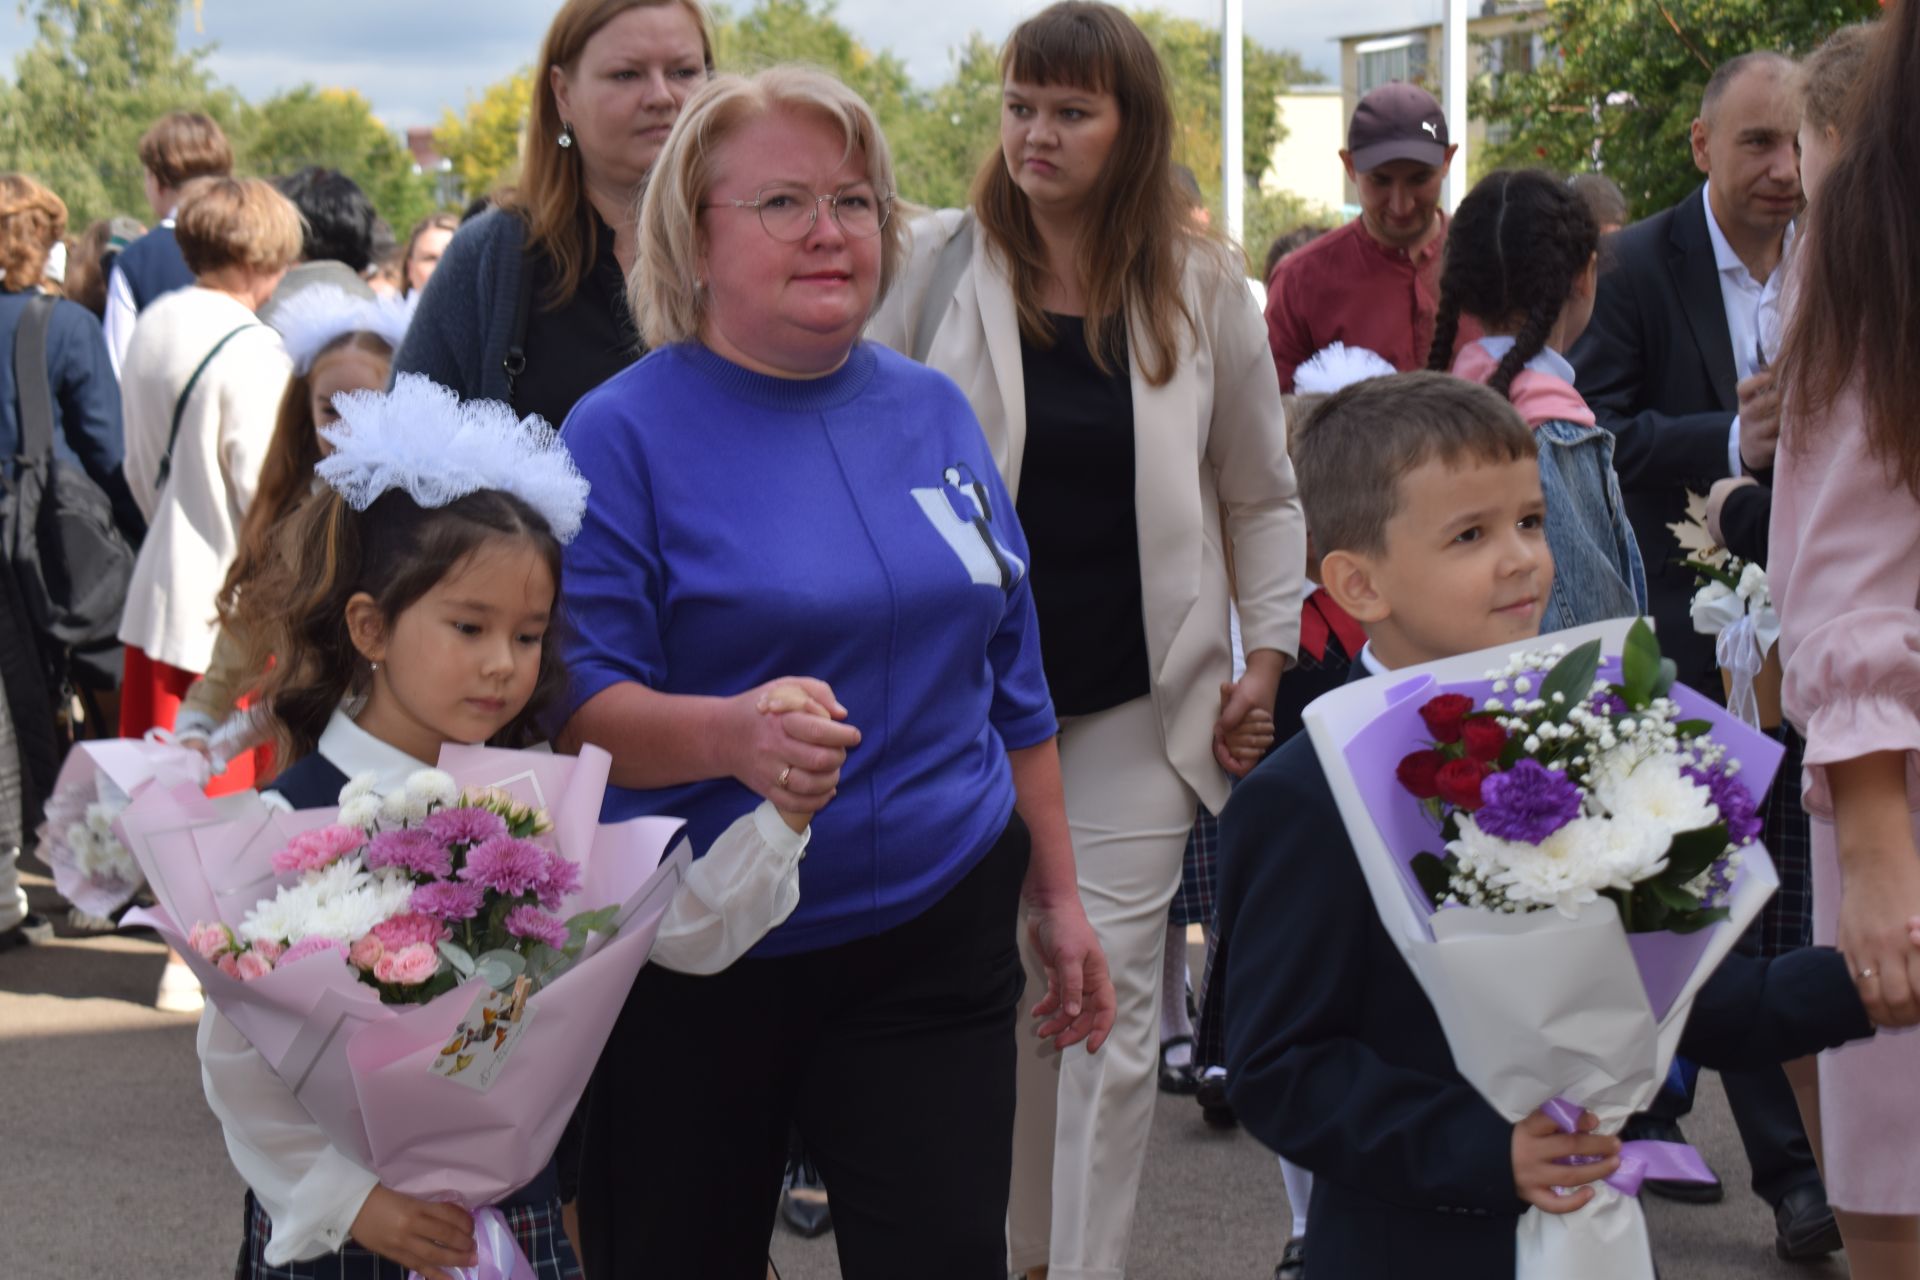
1624,80
483,142
98,73
336,129
807,31
957,125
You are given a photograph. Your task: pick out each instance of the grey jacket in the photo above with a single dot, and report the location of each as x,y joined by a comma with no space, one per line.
464,324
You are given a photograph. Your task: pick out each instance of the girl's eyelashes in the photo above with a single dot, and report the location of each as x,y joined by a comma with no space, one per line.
1468,535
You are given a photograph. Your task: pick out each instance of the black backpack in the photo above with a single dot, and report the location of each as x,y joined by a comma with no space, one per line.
70,564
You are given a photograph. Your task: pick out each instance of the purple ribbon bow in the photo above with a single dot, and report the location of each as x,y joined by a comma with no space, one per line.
1667,1161
500,1256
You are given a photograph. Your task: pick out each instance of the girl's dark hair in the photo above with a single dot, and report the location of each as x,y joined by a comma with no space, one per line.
1857,324
396,551
1518,242
286,477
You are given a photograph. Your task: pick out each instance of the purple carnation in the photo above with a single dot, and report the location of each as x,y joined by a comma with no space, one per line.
1527,803
509,867
562,879
415,852
464,826
447,900
1733,800
536,925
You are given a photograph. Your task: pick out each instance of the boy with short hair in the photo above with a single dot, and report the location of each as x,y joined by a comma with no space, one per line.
1422,496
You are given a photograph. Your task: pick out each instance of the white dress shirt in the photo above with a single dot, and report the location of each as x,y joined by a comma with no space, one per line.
1753,313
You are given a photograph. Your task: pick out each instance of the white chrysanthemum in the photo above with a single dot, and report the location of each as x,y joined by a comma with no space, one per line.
341,902
402,807
1564,871
361,811
362,784
283,917
1654,790
1630,849
433,787
100,819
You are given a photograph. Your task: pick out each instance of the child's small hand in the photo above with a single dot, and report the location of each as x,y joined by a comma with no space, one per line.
1538,1145
425,1236
1252,738
780,700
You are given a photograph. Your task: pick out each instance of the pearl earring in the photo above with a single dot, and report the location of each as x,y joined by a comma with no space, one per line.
566,136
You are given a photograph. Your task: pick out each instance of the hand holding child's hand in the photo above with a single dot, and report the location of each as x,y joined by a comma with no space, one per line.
1538,1144
1251,739
790,757
780,700
422,1235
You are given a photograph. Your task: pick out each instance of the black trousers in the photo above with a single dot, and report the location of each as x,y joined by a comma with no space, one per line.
892,1055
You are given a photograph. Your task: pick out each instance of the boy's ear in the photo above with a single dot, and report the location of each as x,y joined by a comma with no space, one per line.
1349,579
366,627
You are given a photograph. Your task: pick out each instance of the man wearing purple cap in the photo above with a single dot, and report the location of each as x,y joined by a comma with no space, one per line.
1374,283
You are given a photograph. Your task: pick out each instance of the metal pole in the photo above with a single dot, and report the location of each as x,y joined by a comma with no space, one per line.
1233,138
1456,103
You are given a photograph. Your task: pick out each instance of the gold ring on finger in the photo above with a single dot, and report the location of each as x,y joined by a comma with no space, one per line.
785,773
1866,973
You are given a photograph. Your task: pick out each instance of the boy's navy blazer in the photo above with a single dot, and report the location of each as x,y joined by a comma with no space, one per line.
1336,1060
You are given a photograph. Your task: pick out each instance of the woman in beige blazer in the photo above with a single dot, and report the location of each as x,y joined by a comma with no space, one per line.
1134,472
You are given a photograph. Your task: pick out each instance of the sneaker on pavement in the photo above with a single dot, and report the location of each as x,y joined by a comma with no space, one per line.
31,930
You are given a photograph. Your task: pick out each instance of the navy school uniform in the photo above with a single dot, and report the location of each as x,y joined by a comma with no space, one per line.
1336,1060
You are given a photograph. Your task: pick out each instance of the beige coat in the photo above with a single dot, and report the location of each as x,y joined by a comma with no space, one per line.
1210,455
194,520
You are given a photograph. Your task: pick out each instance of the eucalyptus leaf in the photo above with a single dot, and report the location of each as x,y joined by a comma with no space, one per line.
515,963
1669,676
1571,677
1640,665
457,956
494,974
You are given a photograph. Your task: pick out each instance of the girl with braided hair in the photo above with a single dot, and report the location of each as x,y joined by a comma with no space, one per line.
1521,260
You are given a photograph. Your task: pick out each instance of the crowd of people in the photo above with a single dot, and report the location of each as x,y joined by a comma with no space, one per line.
961,577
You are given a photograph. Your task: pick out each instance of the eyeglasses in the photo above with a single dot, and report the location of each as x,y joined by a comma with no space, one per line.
789,213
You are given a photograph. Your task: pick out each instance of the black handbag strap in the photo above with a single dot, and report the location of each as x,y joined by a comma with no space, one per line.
180,405
515,362
30,380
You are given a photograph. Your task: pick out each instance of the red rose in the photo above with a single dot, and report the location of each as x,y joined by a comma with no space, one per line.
1444,715
1459,782
1418,771
1483,738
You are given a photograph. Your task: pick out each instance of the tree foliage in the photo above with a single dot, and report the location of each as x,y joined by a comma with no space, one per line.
1625,79
336,129
483,142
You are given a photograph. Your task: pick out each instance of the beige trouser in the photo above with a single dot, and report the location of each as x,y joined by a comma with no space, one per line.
1081,1121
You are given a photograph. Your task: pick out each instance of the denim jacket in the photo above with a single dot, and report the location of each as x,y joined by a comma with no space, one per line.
1597,570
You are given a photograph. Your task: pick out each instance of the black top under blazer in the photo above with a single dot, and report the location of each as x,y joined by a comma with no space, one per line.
1336,1061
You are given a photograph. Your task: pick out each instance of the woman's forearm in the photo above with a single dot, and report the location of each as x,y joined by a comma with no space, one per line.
1039,797
656,739
1872,822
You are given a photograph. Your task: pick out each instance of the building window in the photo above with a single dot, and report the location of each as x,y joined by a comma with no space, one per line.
1395,58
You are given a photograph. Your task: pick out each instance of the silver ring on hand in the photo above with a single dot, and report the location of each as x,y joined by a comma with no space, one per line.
1866,972
781,781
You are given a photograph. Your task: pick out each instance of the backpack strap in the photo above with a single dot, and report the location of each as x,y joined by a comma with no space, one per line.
30,379
180,405
955,254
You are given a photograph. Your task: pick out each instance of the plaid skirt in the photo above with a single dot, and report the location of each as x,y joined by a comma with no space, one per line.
1786,922
536,1227
1199,878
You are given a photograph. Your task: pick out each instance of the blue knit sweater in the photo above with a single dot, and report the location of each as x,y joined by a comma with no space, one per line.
852,528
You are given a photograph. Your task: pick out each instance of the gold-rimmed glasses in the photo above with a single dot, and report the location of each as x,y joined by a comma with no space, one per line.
788,212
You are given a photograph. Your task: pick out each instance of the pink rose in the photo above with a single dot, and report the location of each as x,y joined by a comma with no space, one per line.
227,965
409,966
210,941
271,952
251,965
366,952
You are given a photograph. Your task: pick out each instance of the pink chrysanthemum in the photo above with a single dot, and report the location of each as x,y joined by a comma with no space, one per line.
562,878
537,926
448,900
509,867
312,947
464,827
405,930
415,852
318,849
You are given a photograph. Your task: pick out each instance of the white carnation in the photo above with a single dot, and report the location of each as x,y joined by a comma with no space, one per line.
361,785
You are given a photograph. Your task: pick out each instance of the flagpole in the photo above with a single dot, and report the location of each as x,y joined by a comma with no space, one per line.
1456,103
1233,148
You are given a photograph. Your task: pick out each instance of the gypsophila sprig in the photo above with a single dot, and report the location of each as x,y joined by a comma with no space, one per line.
1577,787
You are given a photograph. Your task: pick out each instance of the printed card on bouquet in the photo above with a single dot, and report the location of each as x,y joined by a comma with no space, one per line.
1498,834
479,1047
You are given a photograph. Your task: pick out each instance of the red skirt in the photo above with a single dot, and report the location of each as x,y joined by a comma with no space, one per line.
150,697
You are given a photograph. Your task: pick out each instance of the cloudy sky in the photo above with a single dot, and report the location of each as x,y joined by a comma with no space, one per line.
414,58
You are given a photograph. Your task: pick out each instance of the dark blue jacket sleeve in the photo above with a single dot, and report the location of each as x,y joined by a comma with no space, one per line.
1304,947
88,396
1756,1012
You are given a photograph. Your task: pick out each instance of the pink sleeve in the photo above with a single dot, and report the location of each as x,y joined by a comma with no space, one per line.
1846,568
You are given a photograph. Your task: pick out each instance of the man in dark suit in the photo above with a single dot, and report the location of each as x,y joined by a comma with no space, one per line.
1675,364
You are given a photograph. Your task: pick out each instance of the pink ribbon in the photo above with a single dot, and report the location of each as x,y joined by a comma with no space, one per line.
500,1256
1667,1161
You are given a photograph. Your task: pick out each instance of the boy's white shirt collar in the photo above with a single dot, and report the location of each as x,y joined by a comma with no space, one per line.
1374,666
1548,361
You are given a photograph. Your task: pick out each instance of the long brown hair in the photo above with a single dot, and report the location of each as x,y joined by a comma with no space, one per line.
286,477
1132,265
551,196
1857,319
396,551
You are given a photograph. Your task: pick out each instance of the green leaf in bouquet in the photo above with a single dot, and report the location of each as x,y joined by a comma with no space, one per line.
1673,897
1639,665
1572,677
1669,676
1693,728
499,967
578,927
457,956
1693,852
1435,876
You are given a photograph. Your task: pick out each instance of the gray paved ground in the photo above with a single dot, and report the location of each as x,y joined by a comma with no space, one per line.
115,1168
